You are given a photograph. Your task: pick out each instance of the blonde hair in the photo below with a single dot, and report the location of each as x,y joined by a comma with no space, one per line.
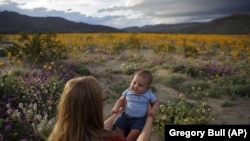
80,112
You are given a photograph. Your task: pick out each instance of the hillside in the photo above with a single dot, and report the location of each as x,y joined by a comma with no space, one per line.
11,22
162,28
232,24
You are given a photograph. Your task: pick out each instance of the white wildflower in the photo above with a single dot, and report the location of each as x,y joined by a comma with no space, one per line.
39,129
35,107
39,117
8,105
31,105
122,66
51,122
9,111
161,106
33,125
20,105
45,117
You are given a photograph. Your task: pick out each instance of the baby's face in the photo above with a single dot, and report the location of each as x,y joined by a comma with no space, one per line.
139,85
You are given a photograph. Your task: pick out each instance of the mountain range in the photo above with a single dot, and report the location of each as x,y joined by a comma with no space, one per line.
12,22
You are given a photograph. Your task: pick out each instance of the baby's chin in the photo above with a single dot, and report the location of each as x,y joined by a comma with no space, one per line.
136,92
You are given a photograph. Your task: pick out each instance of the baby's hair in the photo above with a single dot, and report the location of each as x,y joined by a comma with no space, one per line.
145,74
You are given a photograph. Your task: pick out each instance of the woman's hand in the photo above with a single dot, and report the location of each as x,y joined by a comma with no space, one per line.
109,122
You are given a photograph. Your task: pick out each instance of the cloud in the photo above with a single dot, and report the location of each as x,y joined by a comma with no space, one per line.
183,11
125,13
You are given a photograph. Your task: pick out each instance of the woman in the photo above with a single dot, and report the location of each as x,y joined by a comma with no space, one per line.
80,114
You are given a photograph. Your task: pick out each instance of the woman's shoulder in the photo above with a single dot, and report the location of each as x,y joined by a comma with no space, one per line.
116,138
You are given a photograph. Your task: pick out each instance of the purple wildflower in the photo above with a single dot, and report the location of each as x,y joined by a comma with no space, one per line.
32,100
1,137
4,96
7,127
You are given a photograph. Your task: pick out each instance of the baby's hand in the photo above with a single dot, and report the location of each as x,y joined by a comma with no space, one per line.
152,113
115,110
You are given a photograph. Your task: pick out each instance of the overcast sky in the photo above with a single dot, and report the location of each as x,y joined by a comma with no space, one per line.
126,13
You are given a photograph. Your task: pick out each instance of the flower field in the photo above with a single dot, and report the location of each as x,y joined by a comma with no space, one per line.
188,69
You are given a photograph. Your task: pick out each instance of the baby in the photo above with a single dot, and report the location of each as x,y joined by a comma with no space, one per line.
136,98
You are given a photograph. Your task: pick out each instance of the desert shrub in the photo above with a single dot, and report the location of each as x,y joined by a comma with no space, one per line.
3,52
117,46
2,64
129,68
181,112
37,49
118,88
213,69
173,81
164,47
133,42
28,103
208,70
231,85
170,48
81,69
193,71
9,80
195,89
190,51
29,99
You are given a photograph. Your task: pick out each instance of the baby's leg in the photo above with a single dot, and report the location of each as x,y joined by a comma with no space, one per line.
120,131
133,134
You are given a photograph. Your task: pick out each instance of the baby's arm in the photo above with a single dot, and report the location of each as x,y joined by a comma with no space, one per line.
154,109
119,103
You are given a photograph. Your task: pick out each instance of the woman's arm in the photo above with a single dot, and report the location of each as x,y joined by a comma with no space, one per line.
109,122
145,134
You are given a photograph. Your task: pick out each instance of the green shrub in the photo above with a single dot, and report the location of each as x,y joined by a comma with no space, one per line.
81,69
38,48
29,98
192,71
190,51
3,52
180,112
232,85
133,42
173,81
194,89
129,68
117,46
118,88
164,47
